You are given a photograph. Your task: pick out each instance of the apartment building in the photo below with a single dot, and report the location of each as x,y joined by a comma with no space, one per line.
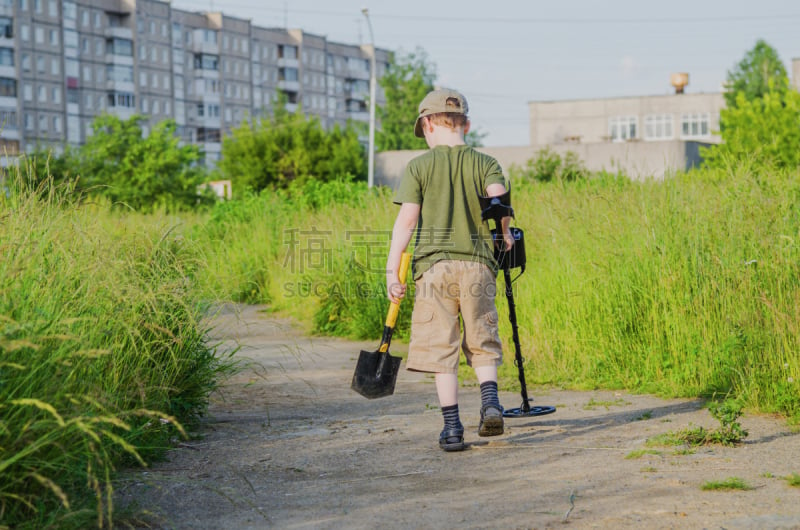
661,118
64,62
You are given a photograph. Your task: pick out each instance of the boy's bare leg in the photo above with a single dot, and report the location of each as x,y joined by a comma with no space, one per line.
447,388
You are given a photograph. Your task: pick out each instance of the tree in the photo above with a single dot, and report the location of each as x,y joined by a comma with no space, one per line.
759,72
143,173
289,147
407,80
765,129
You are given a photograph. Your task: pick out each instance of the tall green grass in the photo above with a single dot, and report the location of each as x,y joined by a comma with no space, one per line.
103,354
687,286
316,252
683,287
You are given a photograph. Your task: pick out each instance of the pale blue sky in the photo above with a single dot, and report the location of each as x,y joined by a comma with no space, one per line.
505,53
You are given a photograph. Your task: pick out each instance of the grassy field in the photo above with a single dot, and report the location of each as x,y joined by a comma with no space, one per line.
688,286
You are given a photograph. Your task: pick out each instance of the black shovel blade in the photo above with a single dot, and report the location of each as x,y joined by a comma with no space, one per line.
375,374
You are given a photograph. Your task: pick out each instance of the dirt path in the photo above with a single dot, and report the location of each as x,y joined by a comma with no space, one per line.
291,446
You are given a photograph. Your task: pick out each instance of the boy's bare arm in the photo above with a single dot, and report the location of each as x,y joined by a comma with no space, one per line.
401,235
495,190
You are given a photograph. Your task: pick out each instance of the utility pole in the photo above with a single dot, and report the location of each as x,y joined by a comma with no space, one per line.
372,83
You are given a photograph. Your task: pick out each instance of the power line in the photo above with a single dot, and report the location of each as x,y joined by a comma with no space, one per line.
527,20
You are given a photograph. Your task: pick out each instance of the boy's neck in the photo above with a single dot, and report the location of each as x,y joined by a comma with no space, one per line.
445,136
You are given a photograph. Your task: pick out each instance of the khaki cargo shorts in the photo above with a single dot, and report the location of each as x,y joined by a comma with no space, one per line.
444,291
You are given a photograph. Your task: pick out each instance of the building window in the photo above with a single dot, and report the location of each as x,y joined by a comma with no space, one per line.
70,38
8,87
6,27
121,99
205,135
6,57
8,119
38,35
695,125
286,51
9,147
55,94
209,36
40,64
621,128
70,10
52,8
119,73
42,124
23,5
116,20
117,46
55,66
27,92
287,74
41,93
205,61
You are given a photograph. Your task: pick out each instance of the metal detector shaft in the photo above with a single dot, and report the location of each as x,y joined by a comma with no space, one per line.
512,317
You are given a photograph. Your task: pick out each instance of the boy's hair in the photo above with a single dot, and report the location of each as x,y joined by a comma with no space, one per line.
451,120
444,101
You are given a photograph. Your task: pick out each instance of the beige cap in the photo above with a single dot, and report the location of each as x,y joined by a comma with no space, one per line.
441,100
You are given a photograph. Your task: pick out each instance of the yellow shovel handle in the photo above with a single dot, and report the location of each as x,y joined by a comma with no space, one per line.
394,308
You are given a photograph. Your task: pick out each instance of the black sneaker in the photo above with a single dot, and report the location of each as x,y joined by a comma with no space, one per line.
491,420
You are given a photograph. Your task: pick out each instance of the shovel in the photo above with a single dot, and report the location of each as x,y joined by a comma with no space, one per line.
376,371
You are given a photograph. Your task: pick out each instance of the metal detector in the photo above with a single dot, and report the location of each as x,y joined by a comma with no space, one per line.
496,208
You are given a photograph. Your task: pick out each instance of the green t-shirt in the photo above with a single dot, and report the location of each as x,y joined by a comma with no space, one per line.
446,182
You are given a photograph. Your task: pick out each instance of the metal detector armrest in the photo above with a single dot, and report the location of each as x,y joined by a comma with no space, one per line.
496,207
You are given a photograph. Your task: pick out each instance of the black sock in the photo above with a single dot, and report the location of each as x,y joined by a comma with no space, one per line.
451,419
489,394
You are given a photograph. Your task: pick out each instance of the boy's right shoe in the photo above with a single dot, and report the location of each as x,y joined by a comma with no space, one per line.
452,440
491,421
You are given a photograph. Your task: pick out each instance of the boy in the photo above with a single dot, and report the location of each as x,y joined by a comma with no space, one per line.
454,266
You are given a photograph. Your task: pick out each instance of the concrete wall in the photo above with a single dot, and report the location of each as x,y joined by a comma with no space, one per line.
638,160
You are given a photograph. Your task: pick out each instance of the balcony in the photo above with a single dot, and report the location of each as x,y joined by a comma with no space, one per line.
209,122
356,94
358,116
123,113
119,32
289,86
8,71
288,63
7,102
121,86
125,60
355,72
205,47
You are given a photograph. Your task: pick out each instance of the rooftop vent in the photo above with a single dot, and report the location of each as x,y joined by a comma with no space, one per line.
679,81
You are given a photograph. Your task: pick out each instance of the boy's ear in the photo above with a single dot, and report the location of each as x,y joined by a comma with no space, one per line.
427,124
466,127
